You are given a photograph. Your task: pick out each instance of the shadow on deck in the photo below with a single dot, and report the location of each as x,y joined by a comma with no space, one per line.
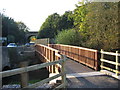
81,76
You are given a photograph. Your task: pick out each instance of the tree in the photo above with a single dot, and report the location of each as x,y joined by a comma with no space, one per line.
11,39
49,27
14,31
97,23
102,29
23,30
66,21
55,23
69,37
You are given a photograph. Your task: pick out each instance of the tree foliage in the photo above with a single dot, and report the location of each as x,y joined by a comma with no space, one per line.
102,25
14,31
96,24
55,23
69,37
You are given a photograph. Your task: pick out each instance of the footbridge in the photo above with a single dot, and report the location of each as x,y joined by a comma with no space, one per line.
73,67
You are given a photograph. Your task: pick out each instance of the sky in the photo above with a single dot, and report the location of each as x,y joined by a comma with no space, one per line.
34,12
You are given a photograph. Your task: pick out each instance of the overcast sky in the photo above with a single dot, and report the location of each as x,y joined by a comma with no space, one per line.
34,12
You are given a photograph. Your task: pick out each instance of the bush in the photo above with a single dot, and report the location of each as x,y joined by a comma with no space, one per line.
69,37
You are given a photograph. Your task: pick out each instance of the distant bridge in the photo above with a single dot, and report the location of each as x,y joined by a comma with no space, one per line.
31,33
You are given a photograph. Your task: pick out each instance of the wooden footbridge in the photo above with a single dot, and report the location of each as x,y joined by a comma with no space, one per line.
76,67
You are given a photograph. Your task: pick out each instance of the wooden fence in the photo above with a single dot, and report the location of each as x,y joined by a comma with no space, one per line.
48,54
83,55
41,49
116,63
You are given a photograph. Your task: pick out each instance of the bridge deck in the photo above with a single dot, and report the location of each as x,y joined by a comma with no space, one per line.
75,67
80,76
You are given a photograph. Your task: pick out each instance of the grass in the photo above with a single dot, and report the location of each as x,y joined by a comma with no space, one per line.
34,81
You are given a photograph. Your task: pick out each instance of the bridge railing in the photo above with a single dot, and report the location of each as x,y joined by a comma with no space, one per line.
83,55
115,62
48,54
23,70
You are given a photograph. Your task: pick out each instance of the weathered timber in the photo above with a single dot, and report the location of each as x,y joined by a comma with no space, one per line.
29,68
44,81
116,63
85,56
24,76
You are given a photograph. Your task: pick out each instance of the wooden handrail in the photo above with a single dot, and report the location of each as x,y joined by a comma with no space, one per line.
35,67
47,47
60,61
109,53
44,81
77,47
116,63
29,68
110,62
49,54
85,56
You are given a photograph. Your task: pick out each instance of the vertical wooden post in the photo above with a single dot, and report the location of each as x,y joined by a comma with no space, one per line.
63,71
96,61
49,53
116,63
53,59
24,76
102,58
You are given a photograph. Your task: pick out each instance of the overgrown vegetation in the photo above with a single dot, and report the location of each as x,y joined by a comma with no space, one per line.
55,23
91,24
14,31
101,25
69,37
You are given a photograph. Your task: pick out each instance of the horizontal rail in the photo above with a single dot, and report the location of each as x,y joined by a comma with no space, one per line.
43,56
54,60
85,56
110,69
115,63
48,54
111,62
44,81
109,53
48,47
77,47
29,68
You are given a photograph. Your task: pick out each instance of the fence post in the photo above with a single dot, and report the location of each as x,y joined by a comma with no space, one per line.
63,71
53,59
102,56
116,63
96,60
24,76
